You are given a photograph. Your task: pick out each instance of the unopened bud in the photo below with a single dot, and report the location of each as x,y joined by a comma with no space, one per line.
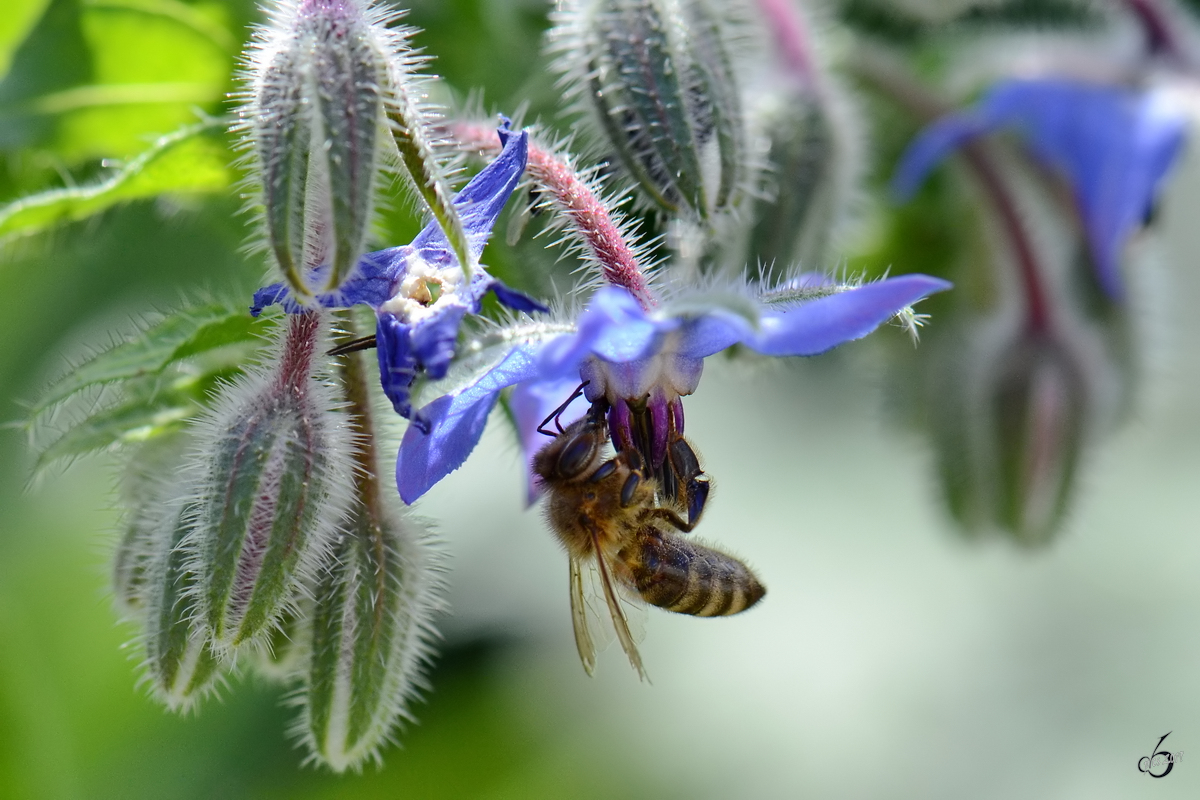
810,168
315,118
276,480
181,664
657,77
143,487
1010,428
370,629
1039,406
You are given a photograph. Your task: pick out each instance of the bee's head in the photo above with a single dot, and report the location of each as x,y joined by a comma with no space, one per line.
572,453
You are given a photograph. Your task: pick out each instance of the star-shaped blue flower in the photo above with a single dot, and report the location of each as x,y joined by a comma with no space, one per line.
1114,146
631,356
418,291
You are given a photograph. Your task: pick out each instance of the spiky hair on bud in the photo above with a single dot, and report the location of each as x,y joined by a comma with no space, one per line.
660,82
275,477
333,100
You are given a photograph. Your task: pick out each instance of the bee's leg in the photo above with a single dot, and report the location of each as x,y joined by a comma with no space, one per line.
605,469
673,519
694,485
637,474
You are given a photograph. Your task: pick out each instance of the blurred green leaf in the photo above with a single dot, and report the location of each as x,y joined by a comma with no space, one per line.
186,161
15,23
95,78
180,336
145,386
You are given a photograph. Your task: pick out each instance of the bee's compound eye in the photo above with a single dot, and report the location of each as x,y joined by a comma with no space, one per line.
576,456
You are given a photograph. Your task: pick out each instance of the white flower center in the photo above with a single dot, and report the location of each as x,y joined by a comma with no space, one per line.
424,291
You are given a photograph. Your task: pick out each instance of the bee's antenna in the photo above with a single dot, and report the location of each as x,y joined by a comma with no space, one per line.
558,412
365,343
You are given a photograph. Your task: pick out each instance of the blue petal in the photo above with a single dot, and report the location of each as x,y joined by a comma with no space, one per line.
1114,146
270,295
479,203
434,340
811,327
397,362
819,325
517,300
613,326
455,424
929,148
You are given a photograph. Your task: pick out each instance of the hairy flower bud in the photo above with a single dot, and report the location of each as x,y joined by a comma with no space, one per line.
807,182
314,117
275,481
181,665
657,78
370,628
143,487
1010,426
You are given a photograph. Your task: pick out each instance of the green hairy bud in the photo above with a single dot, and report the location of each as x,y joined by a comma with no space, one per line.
314,118
370,628
181,665
657,78
275,478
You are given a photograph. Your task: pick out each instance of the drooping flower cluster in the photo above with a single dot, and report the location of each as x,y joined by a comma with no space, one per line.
265,526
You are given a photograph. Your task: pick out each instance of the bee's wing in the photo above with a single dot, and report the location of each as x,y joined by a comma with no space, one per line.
579,615
616,612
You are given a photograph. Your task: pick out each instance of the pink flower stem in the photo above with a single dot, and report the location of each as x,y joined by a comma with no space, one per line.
299,346
586,212
792,40
1161,36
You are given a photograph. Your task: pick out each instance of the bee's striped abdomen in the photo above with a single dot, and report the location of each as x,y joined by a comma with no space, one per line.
674,573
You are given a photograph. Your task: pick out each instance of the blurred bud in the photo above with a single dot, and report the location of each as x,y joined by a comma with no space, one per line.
806,185
1010,424
313,116
181,665
274,454
657,77
143,487
370,630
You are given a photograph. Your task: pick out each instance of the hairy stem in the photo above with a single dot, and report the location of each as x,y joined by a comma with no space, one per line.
368,497
298,348
792,40
586,213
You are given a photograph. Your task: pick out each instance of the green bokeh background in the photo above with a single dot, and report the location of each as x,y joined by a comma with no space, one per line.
890,658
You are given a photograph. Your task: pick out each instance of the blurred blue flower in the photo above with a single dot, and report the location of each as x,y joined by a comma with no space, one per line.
641,361
1113,145
417,289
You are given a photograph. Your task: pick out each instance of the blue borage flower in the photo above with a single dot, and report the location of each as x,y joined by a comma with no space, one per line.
642,363
417,289
1113,145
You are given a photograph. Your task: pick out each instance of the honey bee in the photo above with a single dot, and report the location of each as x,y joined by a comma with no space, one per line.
607,511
